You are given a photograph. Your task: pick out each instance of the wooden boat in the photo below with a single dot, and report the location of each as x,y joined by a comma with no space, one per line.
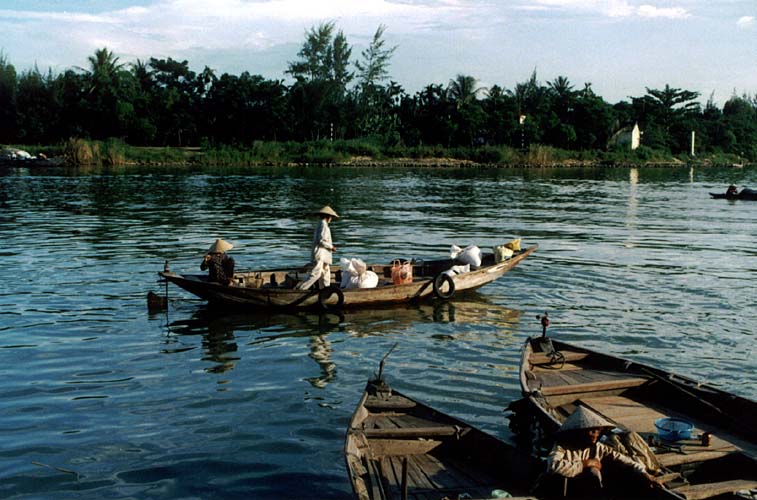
396,447
556,376
744,194
275,288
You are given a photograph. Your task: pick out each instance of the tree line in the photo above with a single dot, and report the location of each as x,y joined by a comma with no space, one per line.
161,102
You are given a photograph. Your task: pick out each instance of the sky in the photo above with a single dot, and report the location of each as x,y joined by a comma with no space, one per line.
620,47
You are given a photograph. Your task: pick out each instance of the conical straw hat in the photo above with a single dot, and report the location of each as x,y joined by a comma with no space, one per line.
327,210
220,246
584,418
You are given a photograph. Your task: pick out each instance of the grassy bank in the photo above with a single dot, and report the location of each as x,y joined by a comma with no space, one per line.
112,152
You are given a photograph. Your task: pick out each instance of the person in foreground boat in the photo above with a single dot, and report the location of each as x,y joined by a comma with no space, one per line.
219,265
579,456
732,193
323,248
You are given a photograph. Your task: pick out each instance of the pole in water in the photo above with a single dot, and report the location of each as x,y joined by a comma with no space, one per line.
544,323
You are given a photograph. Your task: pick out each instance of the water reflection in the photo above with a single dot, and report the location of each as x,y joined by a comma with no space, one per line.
219,329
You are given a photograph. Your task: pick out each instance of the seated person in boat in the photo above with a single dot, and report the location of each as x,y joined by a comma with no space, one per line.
219,265
579,456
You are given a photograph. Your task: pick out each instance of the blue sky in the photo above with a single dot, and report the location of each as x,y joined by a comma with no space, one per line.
619,46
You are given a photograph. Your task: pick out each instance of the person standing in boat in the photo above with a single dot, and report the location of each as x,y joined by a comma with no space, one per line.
579,456
323,247
219,265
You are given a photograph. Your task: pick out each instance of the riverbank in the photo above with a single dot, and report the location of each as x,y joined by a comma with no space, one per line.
79,152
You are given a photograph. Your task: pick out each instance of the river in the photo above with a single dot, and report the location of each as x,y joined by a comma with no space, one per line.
102,399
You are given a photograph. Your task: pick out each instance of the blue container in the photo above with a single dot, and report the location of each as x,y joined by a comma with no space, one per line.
673,429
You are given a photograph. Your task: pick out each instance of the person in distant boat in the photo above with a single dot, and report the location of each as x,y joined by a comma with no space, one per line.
579,456
219,265
731,192
323,247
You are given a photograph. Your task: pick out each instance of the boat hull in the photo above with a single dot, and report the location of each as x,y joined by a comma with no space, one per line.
396,447
633,396
274,288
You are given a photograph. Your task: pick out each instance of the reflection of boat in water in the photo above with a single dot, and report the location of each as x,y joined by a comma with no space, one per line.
221,330
276,288
269,324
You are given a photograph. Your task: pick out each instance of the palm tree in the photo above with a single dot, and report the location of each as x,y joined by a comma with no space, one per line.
462,90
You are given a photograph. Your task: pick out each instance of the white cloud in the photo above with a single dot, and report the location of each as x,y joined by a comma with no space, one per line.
669,12
616,8
745,22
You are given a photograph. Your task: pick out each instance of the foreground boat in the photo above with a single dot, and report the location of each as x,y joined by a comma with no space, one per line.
718,460
399,448
275,288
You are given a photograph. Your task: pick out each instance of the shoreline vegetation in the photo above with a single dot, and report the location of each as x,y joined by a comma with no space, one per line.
363,153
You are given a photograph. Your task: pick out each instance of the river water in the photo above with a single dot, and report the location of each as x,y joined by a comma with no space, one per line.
101,399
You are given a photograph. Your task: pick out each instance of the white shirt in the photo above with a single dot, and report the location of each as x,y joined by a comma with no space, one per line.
322,245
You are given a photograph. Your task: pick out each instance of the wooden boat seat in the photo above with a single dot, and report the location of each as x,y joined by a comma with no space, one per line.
594,386
673,459
709,490
415,432
377,404
541,358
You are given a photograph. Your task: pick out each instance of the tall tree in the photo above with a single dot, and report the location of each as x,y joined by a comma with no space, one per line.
322,75
8,86
376,103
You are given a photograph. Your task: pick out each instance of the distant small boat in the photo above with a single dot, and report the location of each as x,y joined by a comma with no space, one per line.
718,460
276,288
11,157
744,194
398,448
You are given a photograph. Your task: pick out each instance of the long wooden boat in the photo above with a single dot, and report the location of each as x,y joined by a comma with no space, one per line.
556,376
398,448
744,194
275,288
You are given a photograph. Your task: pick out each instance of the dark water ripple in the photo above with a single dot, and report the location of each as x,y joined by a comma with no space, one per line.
101,399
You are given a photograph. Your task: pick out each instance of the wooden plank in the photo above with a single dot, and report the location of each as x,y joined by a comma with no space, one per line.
565,367
672,459
415,475
377,404
666,478
413,432
385,447
540,358
374,474
709,490
593,386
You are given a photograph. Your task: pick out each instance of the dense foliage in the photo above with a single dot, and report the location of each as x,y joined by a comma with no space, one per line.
161,102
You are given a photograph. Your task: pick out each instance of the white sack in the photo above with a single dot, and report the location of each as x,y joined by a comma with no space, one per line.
452,271
355,274
468,255
368,279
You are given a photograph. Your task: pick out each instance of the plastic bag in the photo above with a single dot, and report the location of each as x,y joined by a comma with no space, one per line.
514,245
502,252
402,272
468,255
